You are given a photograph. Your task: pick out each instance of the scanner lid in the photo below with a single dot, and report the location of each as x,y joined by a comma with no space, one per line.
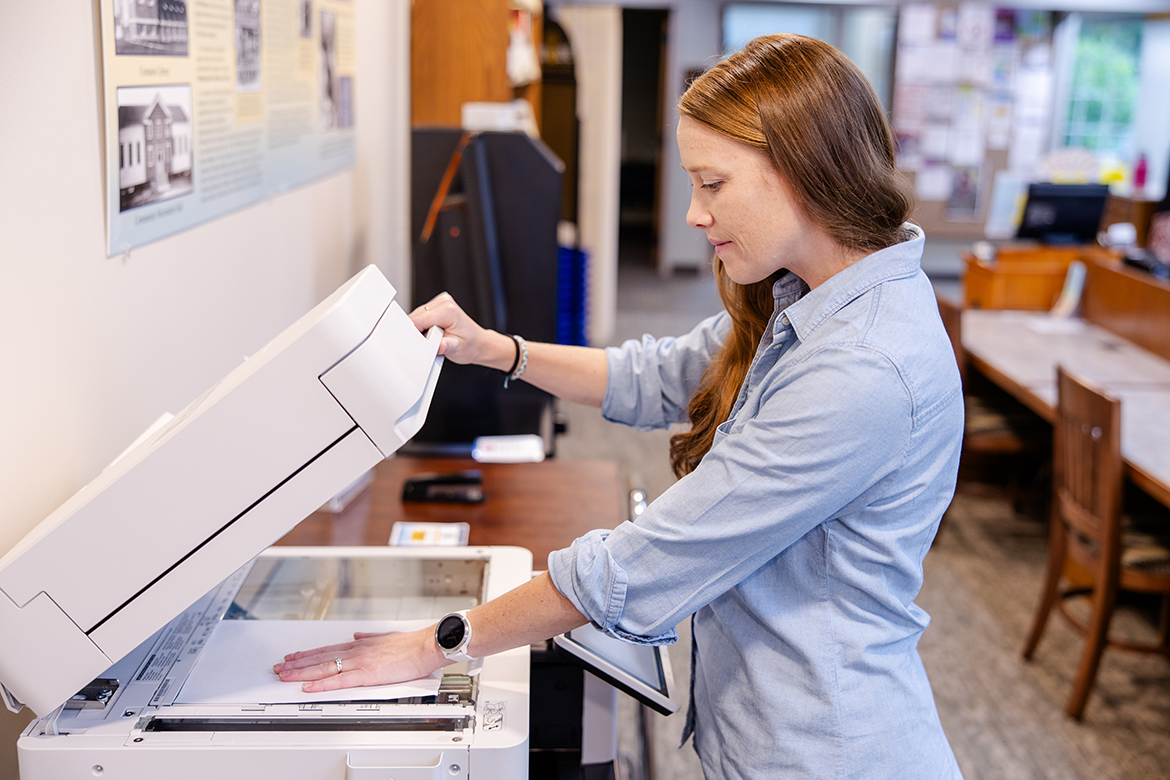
195,499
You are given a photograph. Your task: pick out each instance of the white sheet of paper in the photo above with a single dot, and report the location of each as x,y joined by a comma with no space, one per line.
935,140
1056,325
235,666
933,182
917,23
1008,193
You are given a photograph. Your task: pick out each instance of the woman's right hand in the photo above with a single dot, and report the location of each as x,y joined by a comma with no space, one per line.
464,341
576,374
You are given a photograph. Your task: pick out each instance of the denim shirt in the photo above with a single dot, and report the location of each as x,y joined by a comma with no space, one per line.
797,543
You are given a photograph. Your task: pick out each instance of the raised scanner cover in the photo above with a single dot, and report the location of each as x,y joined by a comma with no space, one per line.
327,399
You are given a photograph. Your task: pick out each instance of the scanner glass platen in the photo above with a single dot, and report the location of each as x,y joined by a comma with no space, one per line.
344,588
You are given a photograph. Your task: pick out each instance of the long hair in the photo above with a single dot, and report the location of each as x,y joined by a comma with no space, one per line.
809,109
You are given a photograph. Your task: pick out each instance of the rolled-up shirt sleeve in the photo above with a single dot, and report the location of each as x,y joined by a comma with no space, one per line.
651,381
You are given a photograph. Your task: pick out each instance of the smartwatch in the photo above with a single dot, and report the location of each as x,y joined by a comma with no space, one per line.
453,635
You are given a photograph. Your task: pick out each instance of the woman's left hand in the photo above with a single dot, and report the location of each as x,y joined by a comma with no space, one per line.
371,659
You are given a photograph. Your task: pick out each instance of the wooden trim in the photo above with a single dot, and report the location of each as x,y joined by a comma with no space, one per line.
1018,391
458,54
1132,304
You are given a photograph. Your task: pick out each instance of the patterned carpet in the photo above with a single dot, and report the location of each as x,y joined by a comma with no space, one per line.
1004,715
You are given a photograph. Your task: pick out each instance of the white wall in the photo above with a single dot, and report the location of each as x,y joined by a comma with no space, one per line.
694,38
1152,115
595,33
93,349
693,41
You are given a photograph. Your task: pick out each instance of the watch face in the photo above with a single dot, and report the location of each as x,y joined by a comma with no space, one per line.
450,632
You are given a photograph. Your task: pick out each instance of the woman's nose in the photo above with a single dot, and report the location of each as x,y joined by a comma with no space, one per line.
697,216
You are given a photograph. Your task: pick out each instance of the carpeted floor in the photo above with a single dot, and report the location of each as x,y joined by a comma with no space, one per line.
1003,715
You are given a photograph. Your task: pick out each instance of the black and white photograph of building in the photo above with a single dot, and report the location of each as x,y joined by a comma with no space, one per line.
336,91
154,144
150,27
247,45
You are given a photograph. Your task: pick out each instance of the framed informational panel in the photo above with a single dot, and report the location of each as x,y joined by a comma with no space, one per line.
213,105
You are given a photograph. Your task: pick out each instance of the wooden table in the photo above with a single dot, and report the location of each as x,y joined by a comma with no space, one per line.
1019,351
540,506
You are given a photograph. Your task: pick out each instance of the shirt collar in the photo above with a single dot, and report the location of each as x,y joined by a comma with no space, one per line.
806,309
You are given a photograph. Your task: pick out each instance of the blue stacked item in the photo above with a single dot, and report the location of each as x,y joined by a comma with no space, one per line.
572,296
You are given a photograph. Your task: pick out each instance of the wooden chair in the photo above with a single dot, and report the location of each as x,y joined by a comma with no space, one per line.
1086,529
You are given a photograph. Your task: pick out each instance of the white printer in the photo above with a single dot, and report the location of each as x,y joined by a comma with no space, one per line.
99,644
104,646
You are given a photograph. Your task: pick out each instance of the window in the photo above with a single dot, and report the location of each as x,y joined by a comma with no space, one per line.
1103,86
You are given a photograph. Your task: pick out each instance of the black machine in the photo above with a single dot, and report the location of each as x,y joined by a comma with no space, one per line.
484,214
1063,213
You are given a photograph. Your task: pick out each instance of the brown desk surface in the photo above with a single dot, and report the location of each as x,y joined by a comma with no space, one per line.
540,506
1019,351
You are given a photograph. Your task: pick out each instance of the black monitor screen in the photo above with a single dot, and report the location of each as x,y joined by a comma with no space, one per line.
1063,213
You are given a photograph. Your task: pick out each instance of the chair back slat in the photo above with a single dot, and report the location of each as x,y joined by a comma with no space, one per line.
1087,465
952,319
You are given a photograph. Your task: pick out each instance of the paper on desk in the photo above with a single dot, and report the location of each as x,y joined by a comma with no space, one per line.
235,666
520,448
1055,325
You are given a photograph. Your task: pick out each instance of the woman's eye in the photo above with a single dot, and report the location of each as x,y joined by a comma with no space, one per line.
713,186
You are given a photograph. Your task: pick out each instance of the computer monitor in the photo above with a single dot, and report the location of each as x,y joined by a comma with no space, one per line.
1063,213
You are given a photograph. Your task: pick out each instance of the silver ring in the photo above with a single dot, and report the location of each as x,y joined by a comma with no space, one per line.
338,662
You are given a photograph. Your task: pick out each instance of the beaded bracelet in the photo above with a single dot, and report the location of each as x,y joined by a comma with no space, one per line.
521,361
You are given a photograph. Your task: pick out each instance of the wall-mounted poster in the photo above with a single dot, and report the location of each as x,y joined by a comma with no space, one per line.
213,105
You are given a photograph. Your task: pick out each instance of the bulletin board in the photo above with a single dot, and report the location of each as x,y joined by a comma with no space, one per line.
213,105
972,112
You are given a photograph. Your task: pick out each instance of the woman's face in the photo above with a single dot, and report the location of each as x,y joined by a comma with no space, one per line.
744,206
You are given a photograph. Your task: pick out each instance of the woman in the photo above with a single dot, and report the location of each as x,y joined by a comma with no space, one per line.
826,416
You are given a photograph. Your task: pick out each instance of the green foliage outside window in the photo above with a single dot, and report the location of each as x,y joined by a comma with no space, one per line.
1104,87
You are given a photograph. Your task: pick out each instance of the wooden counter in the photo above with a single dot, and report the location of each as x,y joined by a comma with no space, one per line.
1022,277
540,506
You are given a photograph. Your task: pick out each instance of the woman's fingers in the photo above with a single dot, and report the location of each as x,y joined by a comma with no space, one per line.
319,651
461,335
325,657
315,671
344,680
440,310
